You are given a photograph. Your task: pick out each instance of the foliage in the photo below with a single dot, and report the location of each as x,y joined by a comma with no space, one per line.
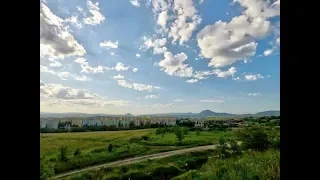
77,152
63,154
110,146
254,138
46,169
198,132
179,134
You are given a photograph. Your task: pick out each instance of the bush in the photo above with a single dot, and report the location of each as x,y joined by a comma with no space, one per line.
184,130
254,138
110,147
46,169
275,143
77,152
198,132
63,154
145,138
179,134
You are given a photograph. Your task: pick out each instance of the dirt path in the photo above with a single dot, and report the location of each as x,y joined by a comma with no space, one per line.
138,159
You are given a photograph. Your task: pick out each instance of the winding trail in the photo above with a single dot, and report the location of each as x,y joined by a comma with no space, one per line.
138,159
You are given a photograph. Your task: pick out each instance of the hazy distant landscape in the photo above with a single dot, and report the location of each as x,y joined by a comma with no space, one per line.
205,113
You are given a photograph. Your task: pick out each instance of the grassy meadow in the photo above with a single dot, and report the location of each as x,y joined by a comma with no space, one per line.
93,146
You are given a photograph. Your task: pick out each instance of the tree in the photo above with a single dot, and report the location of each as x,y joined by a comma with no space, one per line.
110,147
131,124
185,130
179,134
46,169
235,147
77,152
63,154
198,132
255,138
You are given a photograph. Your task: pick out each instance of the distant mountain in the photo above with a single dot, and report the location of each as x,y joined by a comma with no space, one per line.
205,113
128,114
268,113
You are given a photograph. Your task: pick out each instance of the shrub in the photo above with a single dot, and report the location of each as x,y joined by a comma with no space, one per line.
77,152
255,138
198,132
179,134
63,154
46,169
145,138
184,130
110,147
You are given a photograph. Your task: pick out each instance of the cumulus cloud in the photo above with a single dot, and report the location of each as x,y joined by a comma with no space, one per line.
227,42
135,3
61,92
224,74
121,67
192,81
95,17
86,68
138,55
253,77
186,21
152,96
64,75
268,52
136,86
63,96
109,44
278,41
119,76
55,64
174,65
212,101
159,105
55,39
162,19
134,69
158,45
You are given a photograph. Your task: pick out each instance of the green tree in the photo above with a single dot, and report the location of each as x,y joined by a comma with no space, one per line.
46,169
131,124
254,138
63,153
235,147
110,147
198,132
179,134
185,130
77,152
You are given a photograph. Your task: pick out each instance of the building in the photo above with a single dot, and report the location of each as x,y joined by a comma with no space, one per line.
43,124
77,122
52,124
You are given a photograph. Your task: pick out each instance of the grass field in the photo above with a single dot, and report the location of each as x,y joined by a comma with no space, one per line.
199,165
94,145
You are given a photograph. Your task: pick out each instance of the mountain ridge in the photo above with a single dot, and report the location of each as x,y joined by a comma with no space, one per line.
204,113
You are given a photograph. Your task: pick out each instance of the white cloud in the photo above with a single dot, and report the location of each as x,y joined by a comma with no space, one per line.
55,64
186,21
201,1
152,96
158,45
59,96
121,67
138,55
136,86
227,42
212,101
224,74
74,20
118,76
135,3
253,77
278,41
236,78
159,105
61,92
254,94
64,75
55,38
162,19
267,52
86,68
109,44
96,17
134,69
178,100
173,65
192,81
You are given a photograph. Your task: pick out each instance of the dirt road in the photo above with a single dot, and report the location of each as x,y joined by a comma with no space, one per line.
138,159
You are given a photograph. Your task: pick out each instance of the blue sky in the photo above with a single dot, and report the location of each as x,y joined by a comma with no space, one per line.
158,56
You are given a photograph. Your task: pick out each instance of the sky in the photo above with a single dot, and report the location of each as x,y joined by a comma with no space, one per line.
159,56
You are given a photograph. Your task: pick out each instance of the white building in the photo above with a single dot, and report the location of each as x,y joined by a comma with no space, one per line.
52,124
43,124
